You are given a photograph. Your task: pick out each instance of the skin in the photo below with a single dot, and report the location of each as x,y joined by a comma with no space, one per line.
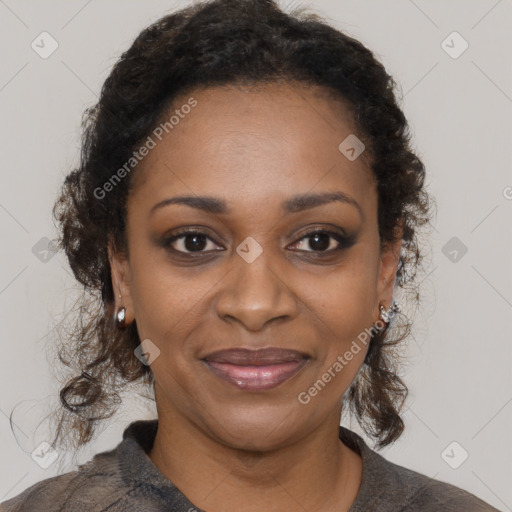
225,448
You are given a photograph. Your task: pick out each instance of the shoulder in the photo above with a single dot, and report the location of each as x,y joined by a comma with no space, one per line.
120,479
422,493
40,494
388,487
91,487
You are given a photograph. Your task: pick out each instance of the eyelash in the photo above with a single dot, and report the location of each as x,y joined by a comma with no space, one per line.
344,242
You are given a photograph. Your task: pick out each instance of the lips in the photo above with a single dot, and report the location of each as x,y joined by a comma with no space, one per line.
256,370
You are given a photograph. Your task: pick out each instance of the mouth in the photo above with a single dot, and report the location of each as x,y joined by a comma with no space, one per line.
256,370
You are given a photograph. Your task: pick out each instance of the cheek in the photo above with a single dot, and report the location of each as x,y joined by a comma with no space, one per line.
345,304
157,300
169,305
165,309
346,298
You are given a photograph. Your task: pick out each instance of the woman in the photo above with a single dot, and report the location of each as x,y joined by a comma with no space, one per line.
247,203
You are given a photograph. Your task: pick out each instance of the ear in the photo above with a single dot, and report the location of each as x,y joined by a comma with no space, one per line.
120,271
389,259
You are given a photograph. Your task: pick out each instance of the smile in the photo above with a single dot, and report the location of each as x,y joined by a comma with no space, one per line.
256,378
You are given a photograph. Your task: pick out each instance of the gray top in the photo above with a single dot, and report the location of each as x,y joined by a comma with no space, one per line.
125,479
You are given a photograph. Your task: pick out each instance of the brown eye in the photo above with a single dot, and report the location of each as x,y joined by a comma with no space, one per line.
324,241
189,241
318,242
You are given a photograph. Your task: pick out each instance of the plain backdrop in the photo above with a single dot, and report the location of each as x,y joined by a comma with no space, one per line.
458,360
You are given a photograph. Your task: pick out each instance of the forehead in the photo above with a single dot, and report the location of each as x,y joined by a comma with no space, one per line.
254,142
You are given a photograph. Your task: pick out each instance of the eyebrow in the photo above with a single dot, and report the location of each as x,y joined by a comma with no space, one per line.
293,204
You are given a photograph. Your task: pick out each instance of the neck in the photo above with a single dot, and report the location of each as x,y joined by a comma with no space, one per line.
316,473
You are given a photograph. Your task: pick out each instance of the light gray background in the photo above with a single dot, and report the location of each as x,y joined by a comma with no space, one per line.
459,358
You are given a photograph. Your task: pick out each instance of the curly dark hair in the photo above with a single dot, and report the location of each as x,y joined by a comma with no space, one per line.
226,42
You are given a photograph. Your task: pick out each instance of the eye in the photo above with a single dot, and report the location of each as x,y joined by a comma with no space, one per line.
324,241
189,241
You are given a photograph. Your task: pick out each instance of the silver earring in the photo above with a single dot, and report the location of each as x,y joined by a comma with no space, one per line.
120,316
386,316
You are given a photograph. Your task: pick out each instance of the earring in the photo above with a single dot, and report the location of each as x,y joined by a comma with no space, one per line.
386,316
120,316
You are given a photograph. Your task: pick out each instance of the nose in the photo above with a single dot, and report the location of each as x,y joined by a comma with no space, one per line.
255,294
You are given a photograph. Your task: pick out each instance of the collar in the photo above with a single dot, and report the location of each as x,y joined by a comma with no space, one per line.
137,469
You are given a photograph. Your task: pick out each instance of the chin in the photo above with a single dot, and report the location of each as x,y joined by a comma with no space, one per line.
260,428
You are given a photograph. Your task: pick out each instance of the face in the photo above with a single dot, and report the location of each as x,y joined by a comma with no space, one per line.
261,268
